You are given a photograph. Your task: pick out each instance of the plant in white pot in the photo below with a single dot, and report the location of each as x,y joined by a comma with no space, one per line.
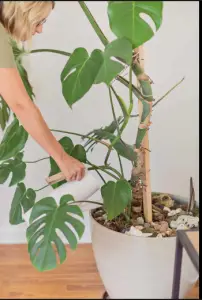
133,231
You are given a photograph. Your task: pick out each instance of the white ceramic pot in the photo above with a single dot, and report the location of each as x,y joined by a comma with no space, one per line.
138,267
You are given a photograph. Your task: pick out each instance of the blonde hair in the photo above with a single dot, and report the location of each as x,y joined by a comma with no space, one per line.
20,17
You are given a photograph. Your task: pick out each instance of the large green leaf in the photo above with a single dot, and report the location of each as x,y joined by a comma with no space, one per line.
13,141
79,74
15,166
77,152
23,199
47,217
120,48
4,113
123,149
126,21
116,196
18,54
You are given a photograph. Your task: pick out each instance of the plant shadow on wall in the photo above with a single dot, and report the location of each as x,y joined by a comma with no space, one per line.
122,208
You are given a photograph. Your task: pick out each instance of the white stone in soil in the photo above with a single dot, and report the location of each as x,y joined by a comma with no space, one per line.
173,224
139,227
166,209
186,220
182,227
140,221
136,232
174,212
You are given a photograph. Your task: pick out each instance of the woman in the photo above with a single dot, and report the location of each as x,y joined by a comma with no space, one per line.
21,20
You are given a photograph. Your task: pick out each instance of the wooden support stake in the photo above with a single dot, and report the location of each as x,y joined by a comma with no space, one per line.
147,197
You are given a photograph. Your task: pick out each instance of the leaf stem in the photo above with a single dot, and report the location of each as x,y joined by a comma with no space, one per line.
107,156
120,101
100,176
52,51
81,135
42,188
36,161
92,202
121,166
103,169
168,92
113,111
160,99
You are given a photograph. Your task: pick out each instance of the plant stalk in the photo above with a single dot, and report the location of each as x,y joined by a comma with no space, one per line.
93,22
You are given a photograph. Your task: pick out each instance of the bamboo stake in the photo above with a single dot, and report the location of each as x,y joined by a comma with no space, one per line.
147,198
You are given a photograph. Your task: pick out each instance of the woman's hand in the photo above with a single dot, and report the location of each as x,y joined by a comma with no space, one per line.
72,168
14,93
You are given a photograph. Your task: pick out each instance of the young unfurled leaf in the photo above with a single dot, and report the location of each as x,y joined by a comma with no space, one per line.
79,74
116,196
77,152
15,166
125,19
120,48
47,217
13,141
23,200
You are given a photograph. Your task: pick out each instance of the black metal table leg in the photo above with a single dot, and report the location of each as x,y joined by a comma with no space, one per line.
177,269
105,295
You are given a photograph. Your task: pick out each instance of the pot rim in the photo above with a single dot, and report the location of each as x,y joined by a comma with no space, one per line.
174,197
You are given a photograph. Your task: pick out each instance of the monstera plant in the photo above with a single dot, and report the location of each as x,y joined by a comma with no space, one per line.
82,71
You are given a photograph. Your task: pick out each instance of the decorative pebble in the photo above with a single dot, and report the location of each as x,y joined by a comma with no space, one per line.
166,200
148,230
163,226
146,225
105,217
169,232
188,221
173,224
134,231
182,227
159,235
166,209
137,209
139,227
157,226
172,213
140,221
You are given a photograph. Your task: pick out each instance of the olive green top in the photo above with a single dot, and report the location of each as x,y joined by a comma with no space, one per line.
6,54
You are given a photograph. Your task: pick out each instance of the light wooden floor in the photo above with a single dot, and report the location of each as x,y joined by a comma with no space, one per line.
75,279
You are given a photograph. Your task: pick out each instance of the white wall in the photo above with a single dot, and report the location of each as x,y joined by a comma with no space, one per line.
172,54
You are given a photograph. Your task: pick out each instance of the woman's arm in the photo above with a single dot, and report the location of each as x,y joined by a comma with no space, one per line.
15,95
